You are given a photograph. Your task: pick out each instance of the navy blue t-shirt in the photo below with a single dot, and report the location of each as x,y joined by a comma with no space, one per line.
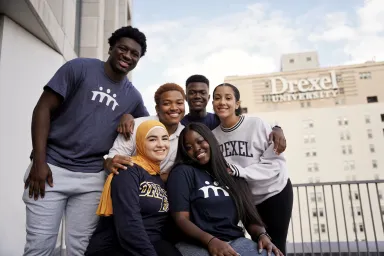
83,128
210,120
210,206
140,214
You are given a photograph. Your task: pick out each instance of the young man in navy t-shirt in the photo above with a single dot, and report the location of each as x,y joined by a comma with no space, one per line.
73,126
197,93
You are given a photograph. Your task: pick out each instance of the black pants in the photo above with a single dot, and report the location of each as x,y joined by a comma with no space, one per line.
276,213
162,248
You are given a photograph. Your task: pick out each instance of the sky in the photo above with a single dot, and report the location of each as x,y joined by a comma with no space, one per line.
219,38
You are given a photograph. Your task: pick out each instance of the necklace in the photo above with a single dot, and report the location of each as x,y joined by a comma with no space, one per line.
216,183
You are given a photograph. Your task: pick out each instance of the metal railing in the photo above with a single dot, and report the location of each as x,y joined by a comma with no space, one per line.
330,219
337,218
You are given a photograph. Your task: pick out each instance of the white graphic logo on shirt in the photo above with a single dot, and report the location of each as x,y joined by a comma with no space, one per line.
214,188
105,95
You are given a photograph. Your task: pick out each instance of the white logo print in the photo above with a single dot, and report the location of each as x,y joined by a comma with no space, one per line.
214,188
105,95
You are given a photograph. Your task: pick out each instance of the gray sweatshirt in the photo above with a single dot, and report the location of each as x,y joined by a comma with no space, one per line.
250,155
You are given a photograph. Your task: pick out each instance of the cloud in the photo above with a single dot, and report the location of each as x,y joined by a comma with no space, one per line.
252,41
361,33
245,42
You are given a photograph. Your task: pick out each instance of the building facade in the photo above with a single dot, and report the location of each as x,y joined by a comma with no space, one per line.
36,38
333,119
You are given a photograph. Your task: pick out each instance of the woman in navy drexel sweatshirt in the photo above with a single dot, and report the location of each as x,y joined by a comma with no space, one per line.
134,204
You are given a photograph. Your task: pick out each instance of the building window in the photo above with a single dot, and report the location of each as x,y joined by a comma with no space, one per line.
382,117
308,124
314,153
341,90
345,135
309,59
305,104
369,134
342,121
365,75
319,212
372,148
291,61
367,119
372,99
244,110
316,197
346,150
357,211
339,101
323,230
374,164
313,139
349,165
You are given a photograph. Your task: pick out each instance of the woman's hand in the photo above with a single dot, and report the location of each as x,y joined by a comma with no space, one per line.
216,247
266,243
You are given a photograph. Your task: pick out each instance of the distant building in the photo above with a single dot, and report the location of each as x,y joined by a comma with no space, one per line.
333,119
36,38
299,61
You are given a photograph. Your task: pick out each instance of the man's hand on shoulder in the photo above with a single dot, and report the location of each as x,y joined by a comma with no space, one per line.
116,163
278,138
126,125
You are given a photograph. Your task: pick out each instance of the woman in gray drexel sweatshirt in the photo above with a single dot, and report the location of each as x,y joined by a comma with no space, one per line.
246,147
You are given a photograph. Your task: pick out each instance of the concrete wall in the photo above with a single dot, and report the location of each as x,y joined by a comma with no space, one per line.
26,64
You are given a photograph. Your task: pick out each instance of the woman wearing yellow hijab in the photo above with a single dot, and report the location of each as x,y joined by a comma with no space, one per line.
134,204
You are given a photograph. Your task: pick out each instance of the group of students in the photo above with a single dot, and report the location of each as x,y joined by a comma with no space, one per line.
177,185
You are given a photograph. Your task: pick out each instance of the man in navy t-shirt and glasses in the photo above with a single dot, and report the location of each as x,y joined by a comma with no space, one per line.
73,126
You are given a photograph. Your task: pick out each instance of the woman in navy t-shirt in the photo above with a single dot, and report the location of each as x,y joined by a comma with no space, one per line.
207,203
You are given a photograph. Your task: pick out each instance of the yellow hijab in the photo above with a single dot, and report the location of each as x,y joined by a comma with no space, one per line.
153,168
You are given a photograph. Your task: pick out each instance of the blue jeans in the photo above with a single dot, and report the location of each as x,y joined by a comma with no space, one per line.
242,245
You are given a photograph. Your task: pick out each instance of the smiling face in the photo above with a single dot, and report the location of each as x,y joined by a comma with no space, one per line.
197,96
157,144
197,147
224,102
171,108
124,55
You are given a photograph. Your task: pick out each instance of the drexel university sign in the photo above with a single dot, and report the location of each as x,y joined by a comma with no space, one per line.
304,89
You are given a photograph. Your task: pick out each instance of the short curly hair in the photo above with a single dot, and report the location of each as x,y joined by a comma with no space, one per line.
132,33
166,88
196,79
